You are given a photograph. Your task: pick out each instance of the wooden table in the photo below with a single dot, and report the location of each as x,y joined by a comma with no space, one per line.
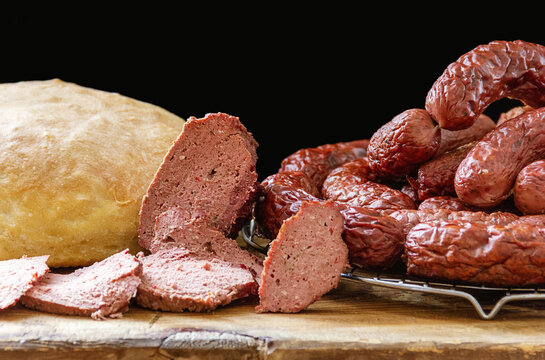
355,321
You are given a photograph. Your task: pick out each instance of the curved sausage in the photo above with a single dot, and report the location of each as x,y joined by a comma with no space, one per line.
351,184
529,190
443,202
280,197
398,147
317,162
451,140
436,177
512,255
514,69
487,174
410,218
374,240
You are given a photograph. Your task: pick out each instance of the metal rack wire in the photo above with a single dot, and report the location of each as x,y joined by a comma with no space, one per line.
399,281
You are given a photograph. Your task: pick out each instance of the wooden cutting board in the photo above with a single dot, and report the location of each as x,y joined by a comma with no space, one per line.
354,321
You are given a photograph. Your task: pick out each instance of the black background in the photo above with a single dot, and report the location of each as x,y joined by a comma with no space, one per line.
295,77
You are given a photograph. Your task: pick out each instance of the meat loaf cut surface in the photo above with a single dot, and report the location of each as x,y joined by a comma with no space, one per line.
101,290
305,260
172,229
18,276
210,171
174,280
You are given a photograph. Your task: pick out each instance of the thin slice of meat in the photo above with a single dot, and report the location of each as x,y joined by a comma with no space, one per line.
210,171
305,261
101,290
18,276
173,280
173,229
194,267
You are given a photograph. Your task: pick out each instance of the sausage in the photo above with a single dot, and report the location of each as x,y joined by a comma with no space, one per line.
487,175
451,140
512,113
493,255
409,218
443,202
529,190
514,69
398,147
374,240
317,162
436,176
280,197
351,184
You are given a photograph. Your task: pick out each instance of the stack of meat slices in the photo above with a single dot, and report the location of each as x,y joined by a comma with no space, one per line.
201,195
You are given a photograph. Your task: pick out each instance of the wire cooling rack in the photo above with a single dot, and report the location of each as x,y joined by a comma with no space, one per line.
472,293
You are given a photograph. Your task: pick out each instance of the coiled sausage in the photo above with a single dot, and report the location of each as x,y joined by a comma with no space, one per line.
487,175
514,69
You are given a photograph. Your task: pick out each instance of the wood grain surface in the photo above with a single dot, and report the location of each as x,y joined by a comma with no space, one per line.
354,321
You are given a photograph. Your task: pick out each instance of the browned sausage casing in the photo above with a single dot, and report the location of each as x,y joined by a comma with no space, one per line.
529,190
487,174
410,218
317,162
512,255
451,140
351,184
443,202
398,147
374,241
281,195
514,69
436,177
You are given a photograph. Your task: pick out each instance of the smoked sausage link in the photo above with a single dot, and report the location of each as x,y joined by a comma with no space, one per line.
529,190
493,255
514,69
281,195
317,162
487,175
351,184
436,176
398,147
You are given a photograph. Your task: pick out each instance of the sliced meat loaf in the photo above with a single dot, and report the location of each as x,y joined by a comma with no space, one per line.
18,276
101,290
173,279
174,229
305,260
194,267
210,171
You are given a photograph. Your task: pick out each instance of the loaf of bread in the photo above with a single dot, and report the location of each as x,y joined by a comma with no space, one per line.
75,163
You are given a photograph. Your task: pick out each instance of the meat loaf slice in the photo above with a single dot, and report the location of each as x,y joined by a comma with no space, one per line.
173,229
18,276
305,260
210,171
101,290
174,280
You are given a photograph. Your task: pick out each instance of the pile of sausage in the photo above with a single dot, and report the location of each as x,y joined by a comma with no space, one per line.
445,190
